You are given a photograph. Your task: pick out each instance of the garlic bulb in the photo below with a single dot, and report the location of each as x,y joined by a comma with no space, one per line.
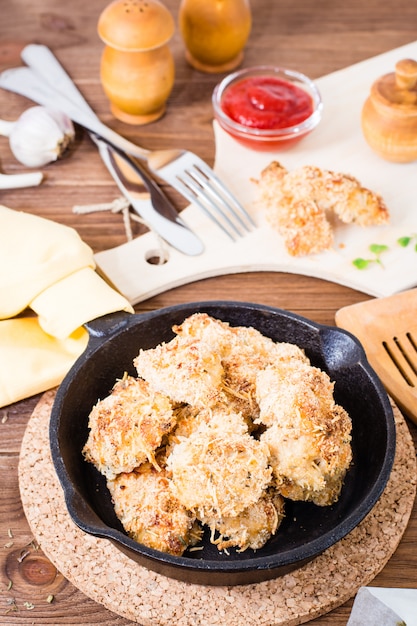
39,136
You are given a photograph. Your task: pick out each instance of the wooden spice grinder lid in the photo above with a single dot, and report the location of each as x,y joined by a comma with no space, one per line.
135,25
389,115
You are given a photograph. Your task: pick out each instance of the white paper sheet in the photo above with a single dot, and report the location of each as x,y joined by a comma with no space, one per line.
402,601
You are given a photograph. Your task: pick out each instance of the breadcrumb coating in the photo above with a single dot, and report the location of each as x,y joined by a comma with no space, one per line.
243,351
305,228
251,528
150,513
219,470
308,435
298,202
127,427
220,427
183,369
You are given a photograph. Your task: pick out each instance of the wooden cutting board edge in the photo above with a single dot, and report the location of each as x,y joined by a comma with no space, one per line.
373,321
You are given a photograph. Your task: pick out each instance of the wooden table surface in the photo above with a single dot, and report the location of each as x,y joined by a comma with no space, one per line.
313,36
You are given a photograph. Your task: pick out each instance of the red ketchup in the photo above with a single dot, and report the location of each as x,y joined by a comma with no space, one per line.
267,103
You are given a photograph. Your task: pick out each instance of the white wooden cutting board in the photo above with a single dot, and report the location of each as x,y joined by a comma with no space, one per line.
336,144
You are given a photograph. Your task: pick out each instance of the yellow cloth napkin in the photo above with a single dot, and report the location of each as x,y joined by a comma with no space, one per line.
49,272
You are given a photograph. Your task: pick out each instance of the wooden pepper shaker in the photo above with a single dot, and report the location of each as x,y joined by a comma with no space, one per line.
215,32
389,115
137,67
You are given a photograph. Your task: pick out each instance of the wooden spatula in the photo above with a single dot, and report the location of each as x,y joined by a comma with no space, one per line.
387,329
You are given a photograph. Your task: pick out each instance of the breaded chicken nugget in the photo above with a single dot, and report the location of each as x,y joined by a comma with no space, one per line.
211,363
189,420
308,435
340,193
283,385
243,351
219,470
185,369
202,326
253,527
127,427
331,191
248,353
233,349
149,512
296,203
305,229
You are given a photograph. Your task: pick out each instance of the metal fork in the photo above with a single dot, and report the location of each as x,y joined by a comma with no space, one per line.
46,82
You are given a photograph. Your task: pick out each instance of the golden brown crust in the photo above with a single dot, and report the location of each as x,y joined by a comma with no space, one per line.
219,470
183,369
305,229
307,433
150,513
252,527
297,203
231,422
127,427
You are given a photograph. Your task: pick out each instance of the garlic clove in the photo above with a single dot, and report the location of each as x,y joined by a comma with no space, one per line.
40,136
17,181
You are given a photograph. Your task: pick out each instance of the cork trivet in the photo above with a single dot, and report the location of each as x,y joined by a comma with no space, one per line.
102,572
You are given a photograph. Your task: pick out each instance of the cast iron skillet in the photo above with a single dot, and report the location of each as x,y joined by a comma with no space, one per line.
307,530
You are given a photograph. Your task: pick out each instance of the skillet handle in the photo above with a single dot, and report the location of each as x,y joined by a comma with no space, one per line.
82,513
107,325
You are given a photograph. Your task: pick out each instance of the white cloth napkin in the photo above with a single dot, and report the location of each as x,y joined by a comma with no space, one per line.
381,606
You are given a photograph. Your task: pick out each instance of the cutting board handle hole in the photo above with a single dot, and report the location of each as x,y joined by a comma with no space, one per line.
157,256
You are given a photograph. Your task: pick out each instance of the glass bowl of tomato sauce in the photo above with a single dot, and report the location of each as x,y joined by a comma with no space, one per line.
267,107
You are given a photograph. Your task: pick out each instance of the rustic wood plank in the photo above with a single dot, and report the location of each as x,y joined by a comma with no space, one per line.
314,37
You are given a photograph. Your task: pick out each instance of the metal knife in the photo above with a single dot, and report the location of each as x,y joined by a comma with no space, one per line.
148,199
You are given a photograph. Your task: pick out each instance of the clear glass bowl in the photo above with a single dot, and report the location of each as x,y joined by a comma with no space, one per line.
274,138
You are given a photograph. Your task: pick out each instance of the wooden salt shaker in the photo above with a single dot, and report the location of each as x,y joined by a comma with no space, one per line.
389,115
137,67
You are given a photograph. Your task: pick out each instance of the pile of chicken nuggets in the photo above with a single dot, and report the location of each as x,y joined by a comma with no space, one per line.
220,427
